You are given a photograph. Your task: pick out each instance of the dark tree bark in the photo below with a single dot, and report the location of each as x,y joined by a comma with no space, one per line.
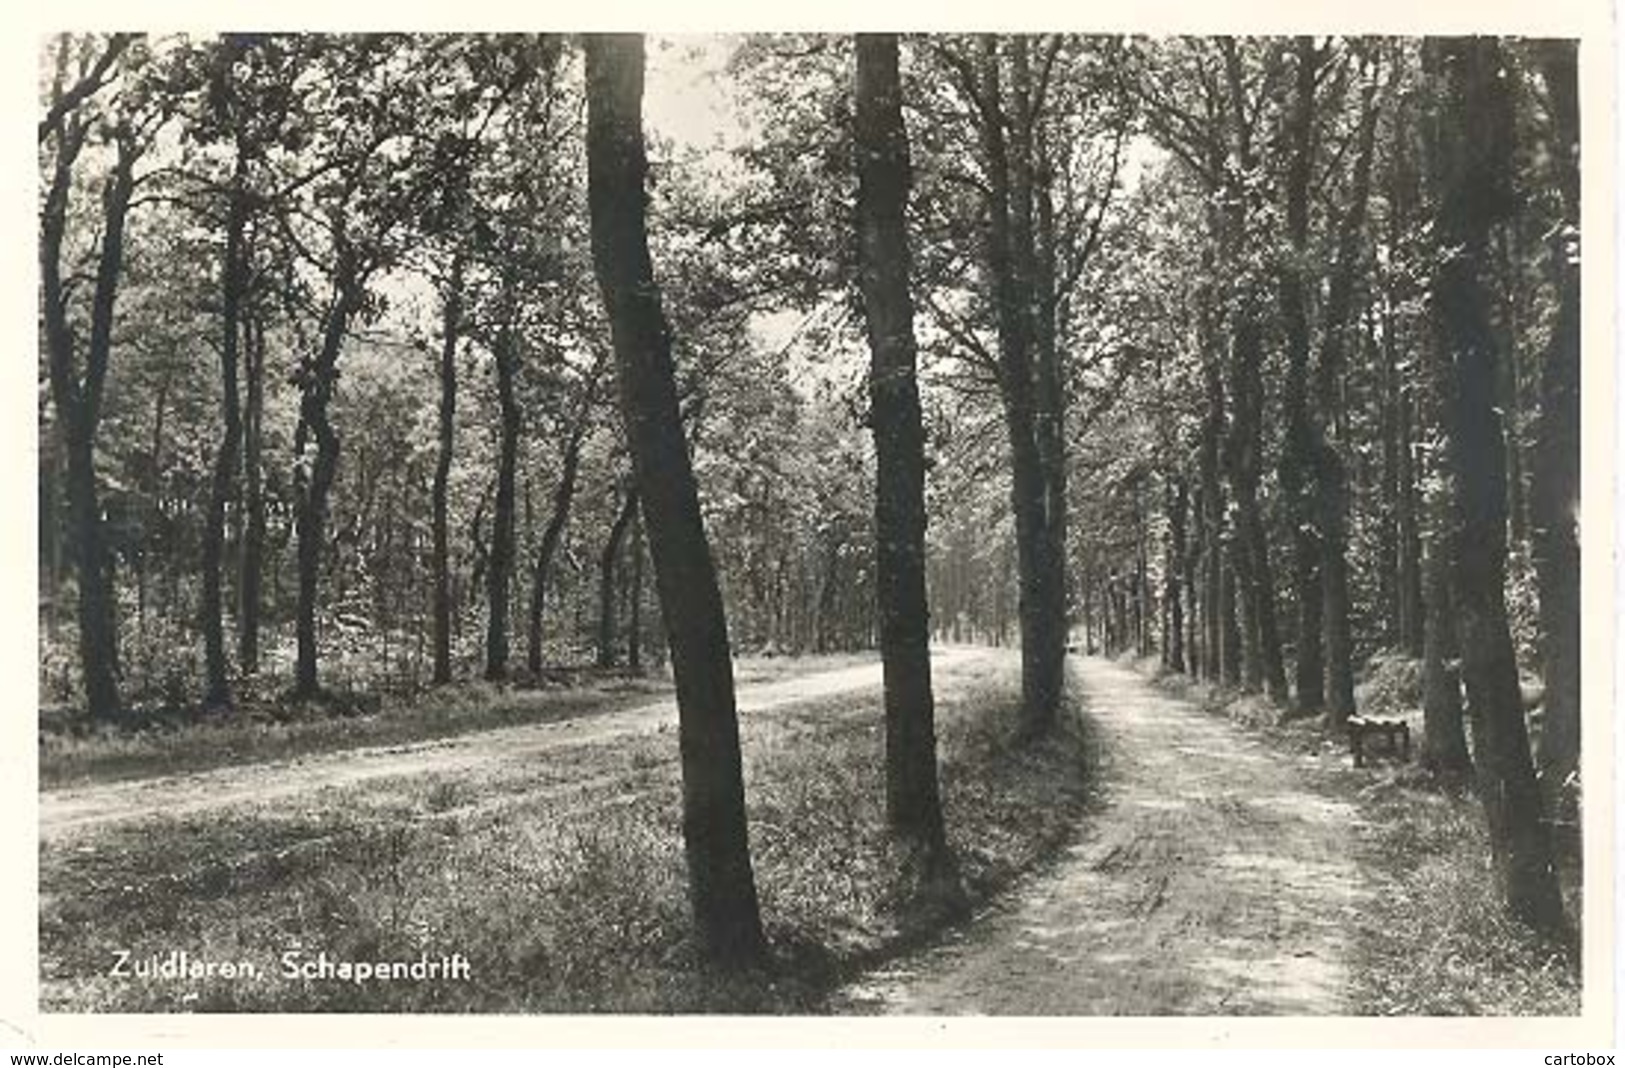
451,325
608,569
1011,261
217,683
1243,447
318,378
1297,453
634,622
1555,491
251,566
1473,171
78,397
1331,470
722,886
563,496
1178,505
913,800
499,567
1444,738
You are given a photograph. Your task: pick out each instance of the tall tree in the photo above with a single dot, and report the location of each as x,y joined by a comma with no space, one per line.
1474,194
1297,451
78,365
722,885
1555,499
913,802
231,116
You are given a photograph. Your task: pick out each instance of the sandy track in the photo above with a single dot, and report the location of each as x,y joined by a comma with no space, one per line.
84,808
1214,880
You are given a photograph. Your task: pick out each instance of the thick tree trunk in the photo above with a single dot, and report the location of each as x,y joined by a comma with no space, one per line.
1444,738
1331,469
722,887
1262,664
608,569
1556,490
78,400
499,567
1298,449
1474,176
451,323
913,801
1011,258
217,683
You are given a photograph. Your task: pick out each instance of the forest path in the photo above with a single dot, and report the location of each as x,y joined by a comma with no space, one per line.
86,808
1213,879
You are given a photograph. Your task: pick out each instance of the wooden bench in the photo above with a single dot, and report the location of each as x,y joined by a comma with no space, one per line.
1396,733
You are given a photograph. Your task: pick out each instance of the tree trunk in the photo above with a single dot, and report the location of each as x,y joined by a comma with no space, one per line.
251,565
563,495
634,624
78,400
1010,251
1474,176
1331,469
913,800
1298,448
450,334
1556,490
499,567
217,684
608,567
1178,503
722,886
318,380
1444,739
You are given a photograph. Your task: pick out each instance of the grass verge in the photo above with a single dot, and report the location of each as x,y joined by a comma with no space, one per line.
264,728
565,893
1434,939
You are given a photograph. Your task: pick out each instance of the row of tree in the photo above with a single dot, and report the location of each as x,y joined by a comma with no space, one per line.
1126,319
1364,392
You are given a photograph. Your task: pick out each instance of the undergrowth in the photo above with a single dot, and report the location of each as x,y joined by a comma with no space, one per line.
569,902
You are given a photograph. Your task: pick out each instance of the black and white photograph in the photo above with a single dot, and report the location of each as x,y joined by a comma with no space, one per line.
815,524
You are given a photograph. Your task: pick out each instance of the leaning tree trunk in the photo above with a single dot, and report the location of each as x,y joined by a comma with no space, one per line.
913,800
722,886
1473,169
1556,489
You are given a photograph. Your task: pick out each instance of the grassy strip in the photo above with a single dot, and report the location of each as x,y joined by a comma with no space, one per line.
1434,939
264,730
562,900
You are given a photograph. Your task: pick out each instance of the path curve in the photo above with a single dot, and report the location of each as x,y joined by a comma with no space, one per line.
82,808
1214,879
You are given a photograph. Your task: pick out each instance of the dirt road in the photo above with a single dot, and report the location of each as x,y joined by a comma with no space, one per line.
1214,880
82,808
